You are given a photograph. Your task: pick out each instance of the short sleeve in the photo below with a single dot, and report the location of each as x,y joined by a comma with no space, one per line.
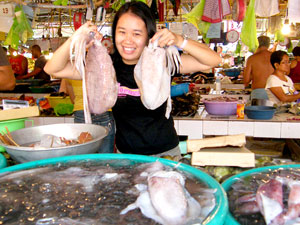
273,81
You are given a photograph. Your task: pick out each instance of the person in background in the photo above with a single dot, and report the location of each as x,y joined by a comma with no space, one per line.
40,62
7,78
280,87
19,63
138,129
5,50
295,66
74,89
258,69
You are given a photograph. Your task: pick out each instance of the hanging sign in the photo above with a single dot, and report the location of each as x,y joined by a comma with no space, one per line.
77,20
7,10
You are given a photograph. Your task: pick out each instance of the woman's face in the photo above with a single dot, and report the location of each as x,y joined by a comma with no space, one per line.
284,65
131,37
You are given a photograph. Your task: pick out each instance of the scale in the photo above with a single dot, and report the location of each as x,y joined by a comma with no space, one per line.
14,104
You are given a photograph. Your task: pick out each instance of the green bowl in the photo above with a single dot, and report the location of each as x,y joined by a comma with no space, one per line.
230,220
12,125
217,216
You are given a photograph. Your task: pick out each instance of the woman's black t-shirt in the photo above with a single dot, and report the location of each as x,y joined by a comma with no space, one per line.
138,129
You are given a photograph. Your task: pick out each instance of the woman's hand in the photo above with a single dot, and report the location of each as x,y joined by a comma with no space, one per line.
167,38
88,29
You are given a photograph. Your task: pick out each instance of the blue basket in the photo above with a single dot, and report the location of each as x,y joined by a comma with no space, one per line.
217,216
179,89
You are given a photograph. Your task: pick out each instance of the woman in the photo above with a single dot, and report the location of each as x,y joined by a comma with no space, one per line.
279,87
139,130
295,66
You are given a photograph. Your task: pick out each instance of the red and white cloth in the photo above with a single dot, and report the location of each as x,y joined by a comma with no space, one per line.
214,10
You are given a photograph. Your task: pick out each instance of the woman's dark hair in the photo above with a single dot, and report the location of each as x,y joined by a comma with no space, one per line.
276,57
296,51
139,9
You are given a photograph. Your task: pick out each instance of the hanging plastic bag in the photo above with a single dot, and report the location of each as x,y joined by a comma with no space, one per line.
238,48
194,17
20,30
248,34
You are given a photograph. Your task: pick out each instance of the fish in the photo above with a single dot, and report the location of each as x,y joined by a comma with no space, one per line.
99,83
153,72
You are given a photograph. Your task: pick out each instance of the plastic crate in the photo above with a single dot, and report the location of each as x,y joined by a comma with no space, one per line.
54,100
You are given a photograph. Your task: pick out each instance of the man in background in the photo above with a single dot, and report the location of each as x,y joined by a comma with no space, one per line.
258,69
7,78
19,63
40,62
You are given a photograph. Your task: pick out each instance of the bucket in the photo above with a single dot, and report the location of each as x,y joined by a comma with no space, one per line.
12,125
230,220
217,216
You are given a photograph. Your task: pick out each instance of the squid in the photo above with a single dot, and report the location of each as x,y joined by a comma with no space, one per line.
99,83
153,73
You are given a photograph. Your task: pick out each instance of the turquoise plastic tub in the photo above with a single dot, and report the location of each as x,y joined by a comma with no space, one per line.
3,161
216,217
230,220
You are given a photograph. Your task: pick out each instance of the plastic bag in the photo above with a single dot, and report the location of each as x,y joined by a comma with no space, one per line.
63,109
194,17
20,30
248,34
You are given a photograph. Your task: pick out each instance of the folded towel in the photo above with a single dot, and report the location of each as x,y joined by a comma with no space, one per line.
293,11
266,8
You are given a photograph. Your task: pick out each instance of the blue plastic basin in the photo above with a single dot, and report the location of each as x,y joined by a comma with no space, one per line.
216,217
230,220
260,112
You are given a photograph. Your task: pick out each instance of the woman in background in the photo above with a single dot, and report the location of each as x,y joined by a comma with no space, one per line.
280,88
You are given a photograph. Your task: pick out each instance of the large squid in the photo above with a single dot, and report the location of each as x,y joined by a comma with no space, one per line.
99,84
153,73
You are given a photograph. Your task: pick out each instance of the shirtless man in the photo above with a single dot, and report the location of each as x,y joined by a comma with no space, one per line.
258,69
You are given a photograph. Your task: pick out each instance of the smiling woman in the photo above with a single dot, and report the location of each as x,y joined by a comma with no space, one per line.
139,130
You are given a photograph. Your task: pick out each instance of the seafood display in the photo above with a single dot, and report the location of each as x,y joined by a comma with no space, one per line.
185,105
153,73
49,140
99,83
267,198
95,193
52,141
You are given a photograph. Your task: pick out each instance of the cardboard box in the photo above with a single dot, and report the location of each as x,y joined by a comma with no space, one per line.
11,114
225,156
